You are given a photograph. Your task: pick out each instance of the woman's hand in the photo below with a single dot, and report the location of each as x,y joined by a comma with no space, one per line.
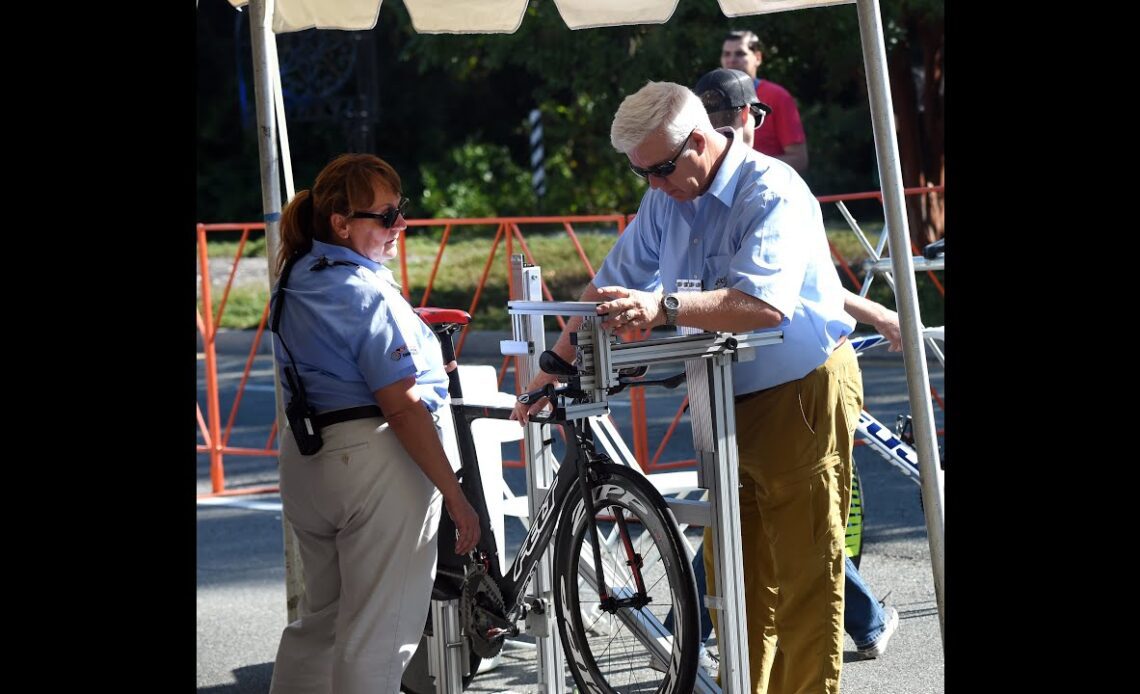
465,519
413,426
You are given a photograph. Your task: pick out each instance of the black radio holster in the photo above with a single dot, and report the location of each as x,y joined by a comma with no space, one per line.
300,415
299,412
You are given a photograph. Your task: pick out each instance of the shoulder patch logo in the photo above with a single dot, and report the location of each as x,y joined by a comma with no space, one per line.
399,353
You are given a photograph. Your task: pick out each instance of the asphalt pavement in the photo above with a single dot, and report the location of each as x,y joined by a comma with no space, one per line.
241,575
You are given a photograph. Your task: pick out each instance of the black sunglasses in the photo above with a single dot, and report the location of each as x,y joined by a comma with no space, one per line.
664,168
386,218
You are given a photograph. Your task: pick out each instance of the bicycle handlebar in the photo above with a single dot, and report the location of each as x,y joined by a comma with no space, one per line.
547,391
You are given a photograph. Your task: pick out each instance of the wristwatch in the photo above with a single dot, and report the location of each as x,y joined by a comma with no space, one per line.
669,304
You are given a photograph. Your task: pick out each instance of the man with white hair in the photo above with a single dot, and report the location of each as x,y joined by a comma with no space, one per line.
728,98
749,228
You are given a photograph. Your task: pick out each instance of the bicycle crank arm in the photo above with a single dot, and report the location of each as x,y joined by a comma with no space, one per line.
500,626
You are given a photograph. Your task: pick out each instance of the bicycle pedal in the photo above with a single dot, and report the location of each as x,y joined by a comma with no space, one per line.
904,430
536,605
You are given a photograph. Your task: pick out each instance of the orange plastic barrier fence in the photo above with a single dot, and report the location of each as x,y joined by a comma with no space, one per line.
508,235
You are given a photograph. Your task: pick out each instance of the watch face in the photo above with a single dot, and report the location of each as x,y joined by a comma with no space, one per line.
672,302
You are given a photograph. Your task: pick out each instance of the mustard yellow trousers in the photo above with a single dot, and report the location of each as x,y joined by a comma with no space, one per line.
795,471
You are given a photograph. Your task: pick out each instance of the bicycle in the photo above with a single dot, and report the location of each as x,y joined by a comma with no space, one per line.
611,592
896,447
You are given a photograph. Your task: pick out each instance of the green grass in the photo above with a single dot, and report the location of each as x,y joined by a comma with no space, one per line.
460,269
845,241
463,264
244,306
254,247
464,260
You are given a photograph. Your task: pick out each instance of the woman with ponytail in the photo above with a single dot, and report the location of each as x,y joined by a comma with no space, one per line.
365,505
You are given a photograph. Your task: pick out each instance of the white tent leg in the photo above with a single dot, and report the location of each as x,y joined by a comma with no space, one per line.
260,34
906,295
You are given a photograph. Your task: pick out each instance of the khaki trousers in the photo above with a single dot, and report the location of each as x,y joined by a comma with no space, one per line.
366,519
795,471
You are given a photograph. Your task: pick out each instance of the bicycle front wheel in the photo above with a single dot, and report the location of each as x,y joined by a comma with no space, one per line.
621,644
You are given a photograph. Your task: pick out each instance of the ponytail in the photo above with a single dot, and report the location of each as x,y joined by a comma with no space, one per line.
296,227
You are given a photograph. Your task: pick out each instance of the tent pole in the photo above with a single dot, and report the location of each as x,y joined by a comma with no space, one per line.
260,34
906,294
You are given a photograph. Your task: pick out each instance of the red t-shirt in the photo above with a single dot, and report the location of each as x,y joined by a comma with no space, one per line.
782,127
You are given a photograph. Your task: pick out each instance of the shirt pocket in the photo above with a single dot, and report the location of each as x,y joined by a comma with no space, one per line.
715,274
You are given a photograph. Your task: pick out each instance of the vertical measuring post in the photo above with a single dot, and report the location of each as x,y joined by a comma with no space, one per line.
527,284
448,659
713,423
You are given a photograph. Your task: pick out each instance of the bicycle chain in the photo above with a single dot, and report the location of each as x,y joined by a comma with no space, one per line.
482,608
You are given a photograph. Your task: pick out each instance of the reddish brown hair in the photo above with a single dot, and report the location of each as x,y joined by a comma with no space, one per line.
347,183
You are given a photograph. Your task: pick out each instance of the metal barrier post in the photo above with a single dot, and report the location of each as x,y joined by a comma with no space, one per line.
209,334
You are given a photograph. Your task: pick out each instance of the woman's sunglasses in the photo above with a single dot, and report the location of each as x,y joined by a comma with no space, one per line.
386,218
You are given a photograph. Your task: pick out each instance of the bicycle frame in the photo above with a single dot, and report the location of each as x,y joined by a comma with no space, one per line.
541,530
885,443
878,436
513,585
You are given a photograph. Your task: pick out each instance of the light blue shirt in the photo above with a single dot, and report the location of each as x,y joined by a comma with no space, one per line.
351,332
758,229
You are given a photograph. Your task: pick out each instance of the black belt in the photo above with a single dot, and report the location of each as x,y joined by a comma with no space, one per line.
325,419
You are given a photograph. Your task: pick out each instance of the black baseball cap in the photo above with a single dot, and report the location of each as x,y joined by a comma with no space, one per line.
723,90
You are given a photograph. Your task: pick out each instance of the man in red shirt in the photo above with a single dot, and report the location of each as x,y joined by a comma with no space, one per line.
782,134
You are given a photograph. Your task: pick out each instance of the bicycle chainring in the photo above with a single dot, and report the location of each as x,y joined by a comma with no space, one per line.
482,610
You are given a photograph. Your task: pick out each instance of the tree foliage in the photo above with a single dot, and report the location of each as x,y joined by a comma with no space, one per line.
453,108
476,180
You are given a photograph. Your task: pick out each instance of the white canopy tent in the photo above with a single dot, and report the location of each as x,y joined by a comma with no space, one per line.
270,17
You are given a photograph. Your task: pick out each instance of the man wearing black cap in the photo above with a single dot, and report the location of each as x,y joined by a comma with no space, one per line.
731,102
